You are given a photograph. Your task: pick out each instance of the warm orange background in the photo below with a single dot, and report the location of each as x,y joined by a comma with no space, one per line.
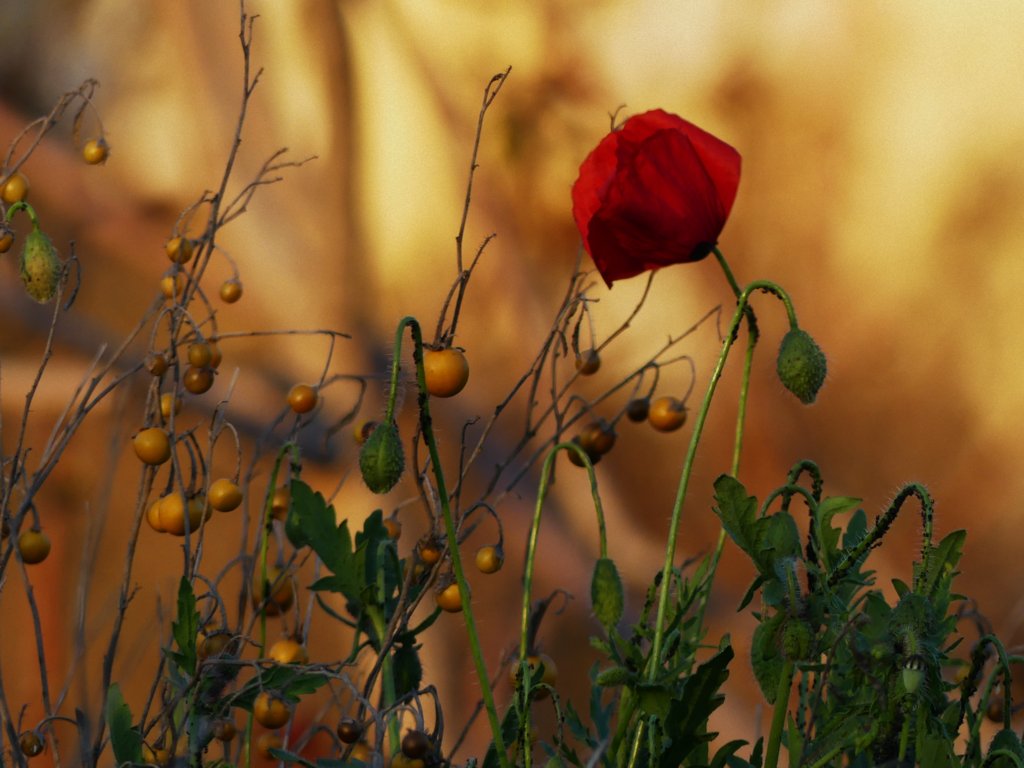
882,188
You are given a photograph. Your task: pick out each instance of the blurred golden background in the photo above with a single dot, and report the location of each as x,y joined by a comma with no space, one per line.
882,187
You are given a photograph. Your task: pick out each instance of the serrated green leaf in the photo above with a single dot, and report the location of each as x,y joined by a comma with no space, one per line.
765,657
125,740
942,562
686,723
654,699
828,536
311,522
724,755
288,680
738,513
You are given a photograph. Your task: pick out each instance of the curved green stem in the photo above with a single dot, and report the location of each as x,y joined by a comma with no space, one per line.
771,754
426,425
684,480
21,205
531,547
380,627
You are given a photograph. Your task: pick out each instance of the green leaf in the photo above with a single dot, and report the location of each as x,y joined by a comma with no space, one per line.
765,656
289,680
724,754
738,513
186,628
407,670
125,740
290,757
942,561
686,723
654,699
311,522
828,537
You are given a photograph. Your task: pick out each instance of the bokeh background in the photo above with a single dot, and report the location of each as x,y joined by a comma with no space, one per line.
883,188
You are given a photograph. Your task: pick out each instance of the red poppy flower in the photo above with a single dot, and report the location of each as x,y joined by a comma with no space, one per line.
655,192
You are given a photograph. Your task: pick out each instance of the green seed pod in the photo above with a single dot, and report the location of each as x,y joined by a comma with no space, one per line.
612,676
801,365
796,640
606,593
913,673
40,266
381,459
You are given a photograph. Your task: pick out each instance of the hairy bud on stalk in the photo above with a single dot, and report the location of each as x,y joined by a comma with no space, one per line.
40,266
381,459
801,365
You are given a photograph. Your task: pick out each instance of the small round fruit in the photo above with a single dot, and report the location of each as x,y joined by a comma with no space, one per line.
428,550
153,516
197,380
224,495
214,644
350,730
30,743
173,285
575,458
172,513
96,151
168,402
15,189
415,745
270,710
225,730
667,414
199,355
156,755
215,355
156,364
489,559
268,741
288,651
450,598
179,249
280,502
548,677
230,291
363,430
282,593
302,398
393,527
588,362
152,446
6,239
597,438
446,371
362,752
638,408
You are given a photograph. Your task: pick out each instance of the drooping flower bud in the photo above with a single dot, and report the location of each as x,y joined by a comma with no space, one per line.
801,365
40,266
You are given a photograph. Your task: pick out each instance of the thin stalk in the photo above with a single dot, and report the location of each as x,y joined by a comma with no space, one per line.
771,755
531,547
691,453
451,533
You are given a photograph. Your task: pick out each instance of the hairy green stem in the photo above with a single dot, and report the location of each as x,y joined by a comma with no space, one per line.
684,480
771,755
426,425
531,547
